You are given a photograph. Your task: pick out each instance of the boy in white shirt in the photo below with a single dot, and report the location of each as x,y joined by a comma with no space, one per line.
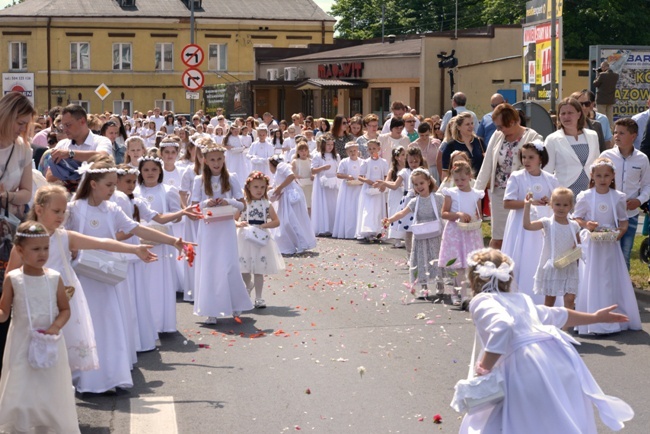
632,177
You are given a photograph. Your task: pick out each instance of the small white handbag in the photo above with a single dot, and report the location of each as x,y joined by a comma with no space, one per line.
43,349
426,230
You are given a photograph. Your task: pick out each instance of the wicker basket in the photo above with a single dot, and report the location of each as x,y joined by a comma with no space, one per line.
471,226
568,258
604,236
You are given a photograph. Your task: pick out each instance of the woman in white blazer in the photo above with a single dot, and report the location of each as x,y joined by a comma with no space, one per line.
572,148
501,159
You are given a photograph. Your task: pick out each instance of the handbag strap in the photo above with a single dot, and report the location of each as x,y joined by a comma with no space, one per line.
433,204
64,257
470,374
49,293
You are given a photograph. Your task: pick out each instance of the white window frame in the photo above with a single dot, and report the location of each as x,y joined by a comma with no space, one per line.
121,46
221,62
83,103
165,47
22,55
77,54
118,106
164,104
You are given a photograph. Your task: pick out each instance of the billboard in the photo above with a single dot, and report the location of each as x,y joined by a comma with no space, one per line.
234,98
537,49
632,64
18,82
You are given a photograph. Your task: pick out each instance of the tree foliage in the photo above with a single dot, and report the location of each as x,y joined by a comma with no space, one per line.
593,22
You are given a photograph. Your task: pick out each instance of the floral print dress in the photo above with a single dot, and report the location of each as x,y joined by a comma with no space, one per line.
253,257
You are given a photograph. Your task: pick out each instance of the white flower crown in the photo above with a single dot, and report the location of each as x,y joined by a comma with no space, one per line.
538,144
212,148
123,172
421,171
170,143
87,168
602,163
150,158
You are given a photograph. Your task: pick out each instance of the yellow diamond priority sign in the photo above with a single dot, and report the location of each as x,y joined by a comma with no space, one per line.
102,91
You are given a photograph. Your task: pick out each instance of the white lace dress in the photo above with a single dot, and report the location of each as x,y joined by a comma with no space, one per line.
253,257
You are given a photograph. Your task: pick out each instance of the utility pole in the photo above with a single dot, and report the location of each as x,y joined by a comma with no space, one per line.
456,25
191,42
383,18
553,51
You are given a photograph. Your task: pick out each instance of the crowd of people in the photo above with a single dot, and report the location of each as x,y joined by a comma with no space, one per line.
115,198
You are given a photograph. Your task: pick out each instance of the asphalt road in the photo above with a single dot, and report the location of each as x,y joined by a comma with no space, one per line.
342,348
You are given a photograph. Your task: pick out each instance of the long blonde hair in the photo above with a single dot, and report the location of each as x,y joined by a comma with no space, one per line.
43,196
15,105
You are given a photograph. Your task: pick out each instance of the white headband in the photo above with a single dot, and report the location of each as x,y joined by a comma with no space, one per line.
32,233
602,163
87,168
164,144
421,171
149,158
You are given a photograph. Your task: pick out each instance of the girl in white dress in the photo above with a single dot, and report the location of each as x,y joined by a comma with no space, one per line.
246,139
371,209
426,207
92,213
135,149
35,399
138,208
191,222
217,254
301,166
50,203
604,279
324,166
295,234
560,237
218,135
395,186
172,174
519,242
462,204
347,203
257,258
236,160
162,278
260,152
522,342
414,160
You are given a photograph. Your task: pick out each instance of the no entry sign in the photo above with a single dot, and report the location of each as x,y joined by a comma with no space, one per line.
193,79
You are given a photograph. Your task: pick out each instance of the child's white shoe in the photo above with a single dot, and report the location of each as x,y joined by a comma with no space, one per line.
211,320
260,303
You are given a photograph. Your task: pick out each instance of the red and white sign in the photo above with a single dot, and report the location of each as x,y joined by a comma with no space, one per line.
193,79
192,55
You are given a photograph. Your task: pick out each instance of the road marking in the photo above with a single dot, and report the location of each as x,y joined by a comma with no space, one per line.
153,415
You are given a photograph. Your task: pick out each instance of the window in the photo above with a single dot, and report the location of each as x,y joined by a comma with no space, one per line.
164,57
121,104
84,104
80,56
18,56
122,56
380,101
217,57
164,104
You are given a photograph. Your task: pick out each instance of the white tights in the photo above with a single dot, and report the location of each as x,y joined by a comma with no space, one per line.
258,283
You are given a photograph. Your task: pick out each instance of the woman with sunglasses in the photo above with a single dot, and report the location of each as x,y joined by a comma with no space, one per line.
587,101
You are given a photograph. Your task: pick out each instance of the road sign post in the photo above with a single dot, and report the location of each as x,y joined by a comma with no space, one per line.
192,56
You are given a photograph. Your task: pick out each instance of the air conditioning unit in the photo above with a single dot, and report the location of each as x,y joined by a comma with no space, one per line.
291,73
272,74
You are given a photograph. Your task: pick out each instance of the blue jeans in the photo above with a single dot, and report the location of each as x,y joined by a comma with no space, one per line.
628,239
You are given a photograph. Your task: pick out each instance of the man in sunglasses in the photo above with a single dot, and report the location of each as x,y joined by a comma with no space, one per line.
486,128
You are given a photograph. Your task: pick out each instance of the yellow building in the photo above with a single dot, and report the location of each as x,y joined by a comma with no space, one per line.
134,46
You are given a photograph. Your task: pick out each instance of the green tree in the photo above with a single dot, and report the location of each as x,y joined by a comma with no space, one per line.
504,11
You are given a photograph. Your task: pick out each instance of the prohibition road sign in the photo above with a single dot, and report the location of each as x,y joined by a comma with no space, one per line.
193,79
192,55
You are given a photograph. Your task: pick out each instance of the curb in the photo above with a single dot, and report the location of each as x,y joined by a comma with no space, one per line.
642,295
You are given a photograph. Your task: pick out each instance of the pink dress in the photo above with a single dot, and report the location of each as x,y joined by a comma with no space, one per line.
457,243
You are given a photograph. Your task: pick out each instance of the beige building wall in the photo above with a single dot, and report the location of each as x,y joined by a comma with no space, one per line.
485,65
575,76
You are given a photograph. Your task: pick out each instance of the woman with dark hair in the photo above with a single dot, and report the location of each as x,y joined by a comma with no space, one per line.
341,135
323,127
501,159
169,122
572,148
111,130
395,138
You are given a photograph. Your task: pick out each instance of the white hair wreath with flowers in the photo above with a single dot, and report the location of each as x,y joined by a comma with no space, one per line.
602,163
